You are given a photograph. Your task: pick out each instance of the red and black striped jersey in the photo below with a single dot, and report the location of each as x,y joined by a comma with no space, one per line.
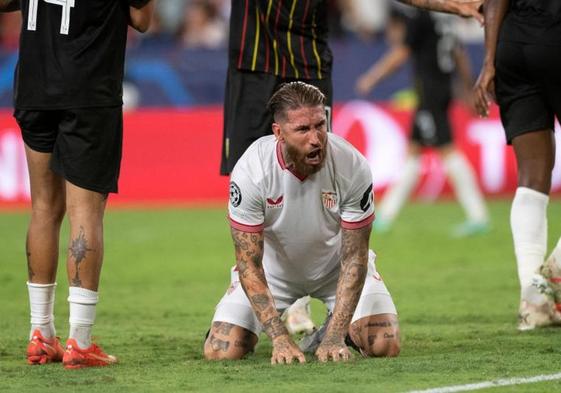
287,38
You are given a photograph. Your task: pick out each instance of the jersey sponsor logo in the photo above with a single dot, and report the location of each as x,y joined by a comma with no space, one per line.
275,203
329,199
366,200
235,194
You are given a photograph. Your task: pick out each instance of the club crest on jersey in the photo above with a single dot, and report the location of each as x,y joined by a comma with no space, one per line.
329,199
275,203
235,194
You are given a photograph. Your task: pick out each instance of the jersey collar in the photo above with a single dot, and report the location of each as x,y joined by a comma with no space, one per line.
282,163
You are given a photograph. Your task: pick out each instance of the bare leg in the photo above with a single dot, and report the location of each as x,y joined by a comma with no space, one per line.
535,156
48,207
228,342
377,335
85,250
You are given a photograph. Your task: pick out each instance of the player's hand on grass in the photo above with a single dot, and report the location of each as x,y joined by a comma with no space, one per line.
285,351
484,90
470,9
335,350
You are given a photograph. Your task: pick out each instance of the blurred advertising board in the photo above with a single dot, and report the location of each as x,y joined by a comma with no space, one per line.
173,156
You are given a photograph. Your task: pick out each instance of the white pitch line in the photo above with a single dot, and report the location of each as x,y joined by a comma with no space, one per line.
490,384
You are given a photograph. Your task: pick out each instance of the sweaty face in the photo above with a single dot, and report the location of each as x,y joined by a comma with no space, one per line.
304,135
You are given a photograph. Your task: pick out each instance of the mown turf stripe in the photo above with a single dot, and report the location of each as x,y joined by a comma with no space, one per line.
490,384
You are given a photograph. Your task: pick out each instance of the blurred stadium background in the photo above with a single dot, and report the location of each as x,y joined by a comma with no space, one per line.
174,91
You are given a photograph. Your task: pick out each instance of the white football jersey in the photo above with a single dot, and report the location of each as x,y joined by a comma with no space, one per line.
301,217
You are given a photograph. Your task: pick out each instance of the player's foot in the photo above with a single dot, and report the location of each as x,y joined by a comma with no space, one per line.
551,270
41,350
310,342
470,228
297,317
537,308
93,356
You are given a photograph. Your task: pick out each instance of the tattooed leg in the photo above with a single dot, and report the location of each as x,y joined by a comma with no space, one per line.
85,248
377,335
226,341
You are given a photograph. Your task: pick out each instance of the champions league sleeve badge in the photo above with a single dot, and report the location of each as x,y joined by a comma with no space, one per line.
235,194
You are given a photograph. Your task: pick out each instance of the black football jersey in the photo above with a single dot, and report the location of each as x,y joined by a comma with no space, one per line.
72,53
432,41
533,21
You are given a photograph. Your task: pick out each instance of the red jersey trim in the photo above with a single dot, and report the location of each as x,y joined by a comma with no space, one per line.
359,224
246,228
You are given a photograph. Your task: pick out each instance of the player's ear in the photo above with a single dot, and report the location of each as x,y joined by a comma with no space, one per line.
277,131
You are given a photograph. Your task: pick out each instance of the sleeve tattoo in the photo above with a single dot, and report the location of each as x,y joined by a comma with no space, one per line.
354,265
249,257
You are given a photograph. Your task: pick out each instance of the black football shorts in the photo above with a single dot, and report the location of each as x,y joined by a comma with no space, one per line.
86,144
528,86
431,124
246,117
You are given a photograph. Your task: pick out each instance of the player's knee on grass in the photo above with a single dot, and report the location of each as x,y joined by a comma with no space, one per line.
377,335
226,341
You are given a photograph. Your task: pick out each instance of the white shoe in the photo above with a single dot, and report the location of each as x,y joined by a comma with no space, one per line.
297,317
537,307
551,270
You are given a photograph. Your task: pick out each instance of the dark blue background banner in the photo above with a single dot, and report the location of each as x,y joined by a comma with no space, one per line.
165,75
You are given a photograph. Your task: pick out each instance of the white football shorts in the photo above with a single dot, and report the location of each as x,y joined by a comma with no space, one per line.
235,308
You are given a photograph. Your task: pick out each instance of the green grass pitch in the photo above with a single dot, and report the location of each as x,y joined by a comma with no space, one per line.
166,269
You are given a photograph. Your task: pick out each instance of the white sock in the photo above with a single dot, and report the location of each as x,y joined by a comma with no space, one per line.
82,315
399,192
528,222
465,185
41,304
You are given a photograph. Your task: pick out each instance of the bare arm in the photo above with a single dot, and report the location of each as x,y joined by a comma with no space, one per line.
495,11
387,65
249,256
140,18
390,61
465,8
354,265
463,67
9,5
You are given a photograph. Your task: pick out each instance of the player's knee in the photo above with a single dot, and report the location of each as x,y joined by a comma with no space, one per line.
383,347
51,212
222,351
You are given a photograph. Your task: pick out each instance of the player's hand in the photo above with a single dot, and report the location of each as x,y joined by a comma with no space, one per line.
364,85
336,351
470,9
285,351
484,91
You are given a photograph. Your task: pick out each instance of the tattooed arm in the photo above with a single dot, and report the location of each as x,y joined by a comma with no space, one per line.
495,11
249,257
9,5
354,265
465,8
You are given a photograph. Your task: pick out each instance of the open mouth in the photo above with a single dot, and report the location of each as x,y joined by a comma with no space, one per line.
314,157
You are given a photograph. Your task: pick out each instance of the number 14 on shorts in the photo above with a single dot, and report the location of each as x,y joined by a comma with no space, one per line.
66,5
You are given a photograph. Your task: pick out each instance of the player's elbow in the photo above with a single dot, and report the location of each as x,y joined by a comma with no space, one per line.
140,24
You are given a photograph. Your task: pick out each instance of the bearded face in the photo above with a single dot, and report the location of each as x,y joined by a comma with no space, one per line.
303,132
